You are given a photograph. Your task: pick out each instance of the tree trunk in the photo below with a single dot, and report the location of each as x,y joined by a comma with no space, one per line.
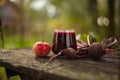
94,14
119,17
1,33
22,27
111,12
1,30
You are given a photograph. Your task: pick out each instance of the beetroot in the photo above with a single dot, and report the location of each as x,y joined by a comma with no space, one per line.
96,50
69,53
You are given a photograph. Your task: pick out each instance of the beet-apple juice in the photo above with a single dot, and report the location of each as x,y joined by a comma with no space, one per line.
63,39
59,41
72,39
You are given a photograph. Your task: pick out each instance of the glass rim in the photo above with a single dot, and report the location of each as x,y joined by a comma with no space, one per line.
64,30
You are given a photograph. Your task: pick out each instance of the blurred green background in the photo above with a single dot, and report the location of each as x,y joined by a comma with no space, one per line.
24,22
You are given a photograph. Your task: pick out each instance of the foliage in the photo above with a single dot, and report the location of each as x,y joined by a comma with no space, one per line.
35,24
17,77
3,75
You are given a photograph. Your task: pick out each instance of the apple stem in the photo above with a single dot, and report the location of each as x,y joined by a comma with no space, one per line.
43,40
53,57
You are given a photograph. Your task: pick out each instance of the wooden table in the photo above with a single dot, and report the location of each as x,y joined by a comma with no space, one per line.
24,62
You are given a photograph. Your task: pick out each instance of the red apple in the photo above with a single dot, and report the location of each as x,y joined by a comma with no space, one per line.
41,48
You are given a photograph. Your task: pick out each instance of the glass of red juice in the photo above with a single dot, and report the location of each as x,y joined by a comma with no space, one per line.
71,39
63,39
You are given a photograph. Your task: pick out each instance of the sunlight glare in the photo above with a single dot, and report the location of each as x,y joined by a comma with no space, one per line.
51,10
38,4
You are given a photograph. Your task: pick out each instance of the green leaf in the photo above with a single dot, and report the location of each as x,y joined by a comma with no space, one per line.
17,77
3,75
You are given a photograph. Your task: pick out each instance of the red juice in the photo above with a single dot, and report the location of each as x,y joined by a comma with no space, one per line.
59,41
63,39
72,39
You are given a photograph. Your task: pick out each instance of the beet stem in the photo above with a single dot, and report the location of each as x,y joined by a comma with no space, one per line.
88,39
115,41
53,57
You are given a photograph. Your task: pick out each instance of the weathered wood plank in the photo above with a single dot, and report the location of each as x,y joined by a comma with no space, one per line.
25,62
